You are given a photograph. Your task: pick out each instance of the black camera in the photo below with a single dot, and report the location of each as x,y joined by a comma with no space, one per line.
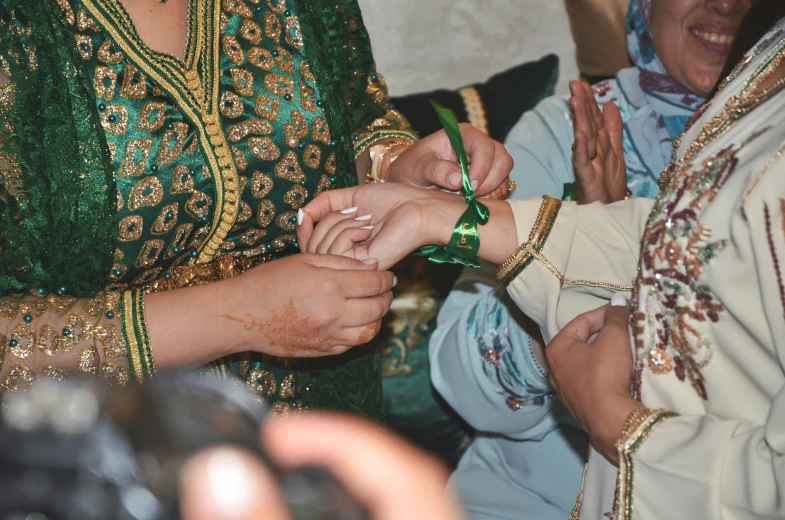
81,450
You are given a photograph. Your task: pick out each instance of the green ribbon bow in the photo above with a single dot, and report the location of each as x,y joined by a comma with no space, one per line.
465,241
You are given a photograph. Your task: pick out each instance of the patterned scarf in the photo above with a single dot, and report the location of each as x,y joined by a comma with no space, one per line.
659,107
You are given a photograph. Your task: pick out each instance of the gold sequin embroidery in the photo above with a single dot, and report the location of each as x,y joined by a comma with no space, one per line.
231,105
251,32
243,81
263,148
261,58
151,117
267,107
172,144
114,119
295,130
147,192
135,157
289,168
294,35
134,83
104,82
130,228
261,185
166,220
239,131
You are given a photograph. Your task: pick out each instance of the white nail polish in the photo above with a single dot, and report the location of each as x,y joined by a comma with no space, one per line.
618,300
364,217
229,484
395,280
474,184
300,216
367,227
348,211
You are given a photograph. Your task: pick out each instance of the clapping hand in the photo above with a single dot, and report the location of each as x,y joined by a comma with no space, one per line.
598,153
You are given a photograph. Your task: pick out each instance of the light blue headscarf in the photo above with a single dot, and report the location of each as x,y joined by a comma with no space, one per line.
655,108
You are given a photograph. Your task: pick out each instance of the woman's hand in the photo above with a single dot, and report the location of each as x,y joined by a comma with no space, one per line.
309,305
384,222
391,479
598,153
432,163
388,221
590,365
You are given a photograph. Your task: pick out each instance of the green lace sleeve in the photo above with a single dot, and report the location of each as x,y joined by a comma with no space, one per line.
374,114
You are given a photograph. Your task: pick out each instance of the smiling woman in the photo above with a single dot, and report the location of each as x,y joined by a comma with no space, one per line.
693,38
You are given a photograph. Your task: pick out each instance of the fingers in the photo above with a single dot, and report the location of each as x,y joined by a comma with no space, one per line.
361,312
617,314
615,126
366,284
327,224
592,104
341,262
353,225
443,173
585,325
229,484
481,151
580,157
499,172
583,117
392,479
346,242
326,202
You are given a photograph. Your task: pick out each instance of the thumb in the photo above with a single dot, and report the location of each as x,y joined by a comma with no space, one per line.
618,313
445,174
342,262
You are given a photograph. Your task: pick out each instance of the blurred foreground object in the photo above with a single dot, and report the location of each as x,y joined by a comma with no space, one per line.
74,450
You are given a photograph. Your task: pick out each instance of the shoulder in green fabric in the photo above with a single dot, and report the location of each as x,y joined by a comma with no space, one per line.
56,203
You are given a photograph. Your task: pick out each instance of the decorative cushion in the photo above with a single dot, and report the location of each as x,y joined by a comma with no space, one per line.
494,106
412,406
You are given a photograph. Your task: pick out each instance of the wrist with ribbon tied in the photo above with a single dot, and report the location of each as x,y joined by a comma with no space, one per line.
464,243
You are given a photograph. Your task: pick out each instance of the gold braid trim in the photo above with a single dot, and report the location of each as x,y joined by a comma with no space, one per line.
636,430
475,109
530,250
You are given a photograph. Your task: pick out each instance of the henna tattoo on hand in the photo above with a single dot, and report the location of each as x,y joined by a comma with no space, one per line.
287,331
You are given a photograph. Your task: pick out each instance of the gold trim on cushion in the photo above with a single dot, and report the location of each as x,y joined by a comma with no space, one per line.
475,109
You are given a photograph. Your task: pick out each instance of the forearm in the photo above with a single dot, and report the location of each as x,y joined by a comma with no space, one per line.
188,327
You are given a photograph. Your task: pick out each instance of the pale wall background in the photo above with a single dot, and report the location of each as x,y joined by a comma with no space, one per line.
421,45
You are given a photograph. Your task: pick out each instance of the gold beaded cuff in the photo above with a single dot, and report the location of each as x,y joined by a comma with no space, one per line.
380,130
525,254
137,340
636,430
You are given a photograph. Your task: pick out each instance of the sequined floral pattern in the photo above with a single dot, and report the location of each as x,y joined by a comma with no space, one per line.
673,306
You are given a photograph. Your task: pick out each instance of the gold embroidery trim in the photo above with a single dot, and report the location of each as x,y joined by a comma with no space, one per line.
757,179
637,428
199,105
132,346
475,109
608,285
534,244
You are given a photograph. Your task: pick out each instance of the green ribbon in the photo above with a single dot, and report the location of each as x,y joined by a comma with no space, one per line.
570,192
465,241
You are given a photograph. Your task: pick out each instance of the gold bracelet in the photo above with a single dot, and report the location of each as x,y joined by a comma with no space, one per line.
379,155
